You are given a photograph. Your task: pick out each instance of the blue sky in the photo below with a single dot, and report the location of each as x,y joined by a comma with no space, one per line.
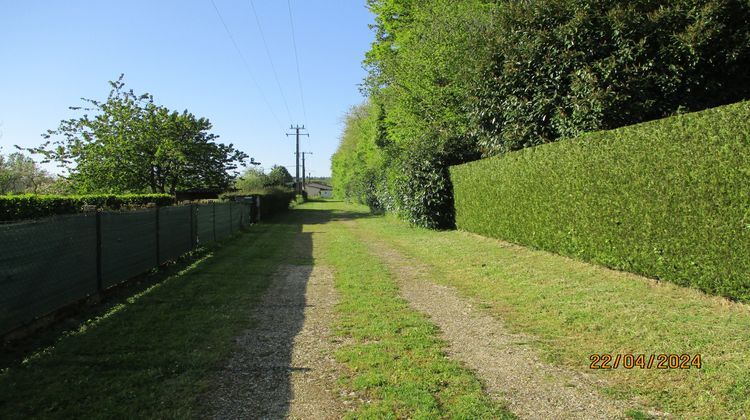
54,52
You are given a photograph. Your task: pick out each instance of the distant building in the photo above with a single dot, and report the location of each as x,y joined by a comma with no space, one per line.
316,189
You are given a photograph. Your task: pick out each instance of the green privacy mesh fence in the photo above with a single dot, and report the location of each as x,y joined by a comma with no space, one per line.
128,245
204,215
45,265
50,263
175,232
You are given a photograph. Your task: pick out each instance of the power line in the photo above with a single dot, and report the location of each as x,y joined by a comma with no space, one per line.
247,66
296,59
270,60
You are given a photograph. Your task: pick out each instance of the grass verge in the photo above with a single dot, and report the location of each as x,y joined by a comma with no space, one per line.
395,358
577,309
152,355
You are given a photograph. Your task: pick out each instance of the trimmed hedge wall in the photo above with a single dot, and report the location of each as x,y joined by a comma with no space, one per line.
272,201
30,206
668,199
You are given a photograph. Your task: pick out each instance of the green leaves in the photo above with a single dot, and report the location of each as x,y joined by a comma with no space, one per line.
279,176
32,206
449,81
564,67
667,199
129,144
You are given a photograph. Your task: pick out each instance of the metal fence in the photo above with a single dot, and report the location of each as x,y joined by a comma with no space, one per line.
50,263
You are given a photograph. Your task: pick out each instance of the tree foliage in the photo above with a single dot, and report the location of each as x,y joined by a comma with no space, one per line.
20,174
449,82
251,180
128,143
279,176
563,67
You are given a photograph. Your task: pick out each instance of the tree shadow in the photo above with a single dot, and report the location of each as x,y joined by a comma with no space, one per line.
257,380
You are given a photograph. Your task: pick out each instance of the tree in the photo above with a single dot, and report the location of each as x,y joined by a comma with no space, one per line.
252,179
127,143
563,67
20,174
451,81
279,177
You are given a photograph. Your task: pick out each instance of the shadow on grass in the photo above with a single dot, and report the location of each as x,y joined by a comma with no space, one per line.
152,350
256,381
83,315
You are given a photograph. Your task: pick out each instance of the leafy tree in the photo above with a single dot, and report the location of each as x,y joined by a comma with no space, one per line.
252,179
279,177
563,67
127,143
451,81
20,174
425,60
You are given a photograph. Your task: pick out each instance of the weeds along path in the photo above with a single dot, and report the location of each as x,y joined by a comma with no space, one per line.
508,367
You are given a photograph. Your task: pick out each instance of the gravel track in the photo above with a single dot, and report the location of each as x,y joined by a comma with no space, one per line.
284,367
509,368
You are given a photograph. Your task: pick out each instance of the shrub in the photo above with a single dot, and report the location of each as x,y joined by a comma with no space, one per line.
668,199
272,200
30,206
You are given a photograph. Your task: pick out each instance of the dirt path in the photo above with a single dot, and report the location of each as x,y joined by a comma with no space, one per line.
508,367
285,365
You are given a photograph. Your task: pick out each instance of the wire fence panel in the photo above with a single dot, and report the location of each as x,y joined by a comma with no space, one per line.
205,223
223,220
128,245
175,233
45,265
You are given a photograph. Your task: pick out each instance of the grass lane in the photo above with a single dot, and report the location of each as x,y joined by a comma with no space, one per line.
152,356
395,358
577,309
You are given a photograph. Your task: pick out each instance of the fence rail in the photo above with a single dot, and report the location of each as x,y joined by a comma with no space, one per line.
50,263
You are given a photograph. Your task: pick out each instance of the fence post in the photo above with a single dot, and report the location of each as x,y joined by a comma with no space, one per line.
158,257
98,251
214,219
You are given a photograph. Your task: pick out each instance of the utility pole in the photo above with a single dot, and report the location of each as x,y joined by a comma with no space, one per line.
297,186
303,168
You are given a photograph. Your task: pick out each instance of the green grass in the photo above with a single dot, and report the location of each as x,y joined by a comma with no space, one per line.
151,356
155,354
393,353
576,309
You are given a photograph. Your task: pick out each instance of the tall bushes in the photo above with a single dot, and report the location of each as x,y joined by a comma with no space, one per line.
668,199
563,67
272,200
451,81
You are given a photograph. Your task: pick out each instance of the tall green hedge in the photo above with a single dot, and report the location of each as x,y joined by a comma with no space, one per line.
272,200
32,206
668,199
